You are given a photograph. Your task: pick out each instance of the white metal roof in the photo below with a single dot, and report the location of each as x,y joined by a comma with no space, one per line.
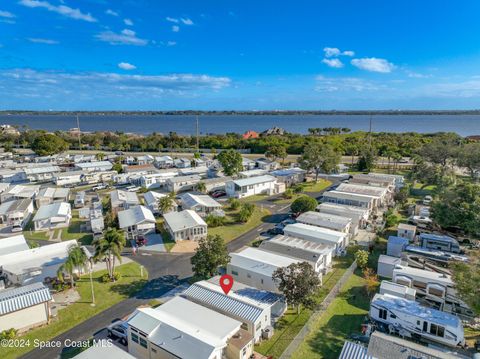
123,196
212,296
348,195
353,350
12,300
193,178
13,244
342,209
52,192
254,180
362,189
23,191
41,169
178,221
57,209
99,164
104,350
134,216
425,274
184,328
309,232
19,205
259,261
152,197
191,200
324,220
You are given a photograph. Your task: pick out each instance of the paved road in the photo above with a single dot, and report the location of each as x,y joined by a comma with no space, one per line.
167,271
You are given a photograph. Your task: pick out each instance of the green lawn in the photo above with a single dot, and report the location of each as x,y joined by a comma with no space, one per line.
291,323
106,294
73,231
232,228
343,317
313,186
255,198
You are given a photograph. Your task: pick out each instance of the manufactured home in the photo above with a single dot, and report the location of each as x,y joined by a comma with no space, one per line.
337,240
350,199
325,220
246,187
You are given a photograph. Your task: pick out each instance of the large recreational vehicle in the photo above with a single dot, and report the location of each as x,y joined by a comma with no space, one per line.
408,318
433,289
439,242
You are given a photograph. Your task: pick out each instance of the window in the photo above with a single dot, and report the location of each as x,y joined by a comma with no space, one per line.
259,325
425,326
437,330
261,280
143,343
393,316
134,337
382,313
248,275
234,272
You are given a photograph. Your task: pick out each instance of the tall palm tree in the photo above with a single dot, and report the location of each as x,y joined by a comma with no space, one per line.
166,203
76,260
108,248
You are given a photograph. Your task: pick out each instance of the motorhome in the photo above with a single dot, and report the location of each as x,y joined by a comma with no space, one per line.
439,242
408,318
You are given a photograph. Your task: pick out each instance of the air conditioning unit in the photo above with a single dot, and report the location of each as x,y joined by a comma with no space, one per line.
267,333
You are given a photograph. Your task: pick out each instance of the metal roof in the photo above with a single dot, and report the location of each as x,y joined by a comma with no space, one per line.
57,209
326,220
178,221
12,300
254,180
438,237
318,234
191,200
13,244
352,350
226,303
134,216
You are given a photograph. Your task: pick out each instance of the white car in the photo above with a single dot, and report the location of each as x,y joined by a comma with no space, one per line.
118,329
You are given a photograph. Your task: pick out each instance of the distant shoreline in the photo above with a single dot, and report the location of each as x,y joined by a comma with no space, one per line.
239,113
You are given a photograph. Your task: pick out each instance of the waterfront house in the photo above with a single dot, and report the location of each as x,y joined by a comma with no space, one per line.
185,225
53,216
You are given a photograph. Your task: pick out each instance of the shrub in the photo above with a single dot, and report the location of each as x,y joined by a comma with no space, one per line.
8,334
361,256
106,277
214,221
298,189
288,193
246,212
234,203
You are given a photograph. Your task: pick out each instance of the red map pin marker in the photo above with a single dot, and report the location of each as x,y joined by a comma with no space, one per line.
226,282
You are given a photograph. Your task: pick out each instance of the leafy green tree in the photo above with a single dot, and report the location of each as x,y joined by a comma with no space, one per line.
366,161
76,260
211,253
100,156
459,206
109,248
231,162
117,167
469,157
298,282
319,157
214,221
246,212
166,203
441,150
304,204
361,256
49,144
234,203
466,277
276,151
401,196
288,193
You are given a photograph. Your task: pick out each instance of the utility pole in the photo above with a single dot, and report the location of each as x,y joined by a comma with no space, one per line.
198,139
370,133
79,134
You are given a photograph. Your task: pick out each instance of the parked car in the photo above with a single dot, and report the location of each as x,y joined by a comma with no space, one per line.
99,187
217,194
118,329
275,231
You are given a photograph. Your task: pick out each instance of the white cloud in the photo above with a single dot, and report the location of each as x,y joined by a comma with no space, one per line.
126,66
172,19
60,9
42,41
339,84
126,37
186,21
333,63
175,28
171,43
6,14
373,64
45,84
417,75
128,22
111,12
334,52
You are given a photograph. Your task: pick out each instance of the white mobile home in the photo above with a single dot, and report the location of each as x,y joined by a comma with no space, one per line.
25,307
20,192
350,199
409,319
97,166
182,183
318,255
254,185
338,240
183,329
185,225
201,203
289,176
53,216
325,220
121,200
359,216
13,244
41,173
382,196
16,213
255,267
136,221
374,180
255,316
50,195
156,180
68,178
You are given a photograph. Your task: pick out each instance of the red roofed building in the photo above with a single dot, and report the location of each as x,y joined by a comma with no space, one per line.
250,134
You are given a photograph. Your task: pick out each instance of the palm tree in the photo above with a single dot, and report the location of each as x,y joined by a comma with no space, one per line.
77,259
166,203
109,248
100,156
201,187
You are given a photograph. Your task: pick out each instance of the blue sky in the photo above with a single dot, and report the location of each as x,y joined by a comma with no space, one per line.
246,55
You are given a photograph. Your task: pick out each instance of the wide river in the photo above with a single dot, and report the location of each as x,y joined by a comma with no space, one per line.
462,124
